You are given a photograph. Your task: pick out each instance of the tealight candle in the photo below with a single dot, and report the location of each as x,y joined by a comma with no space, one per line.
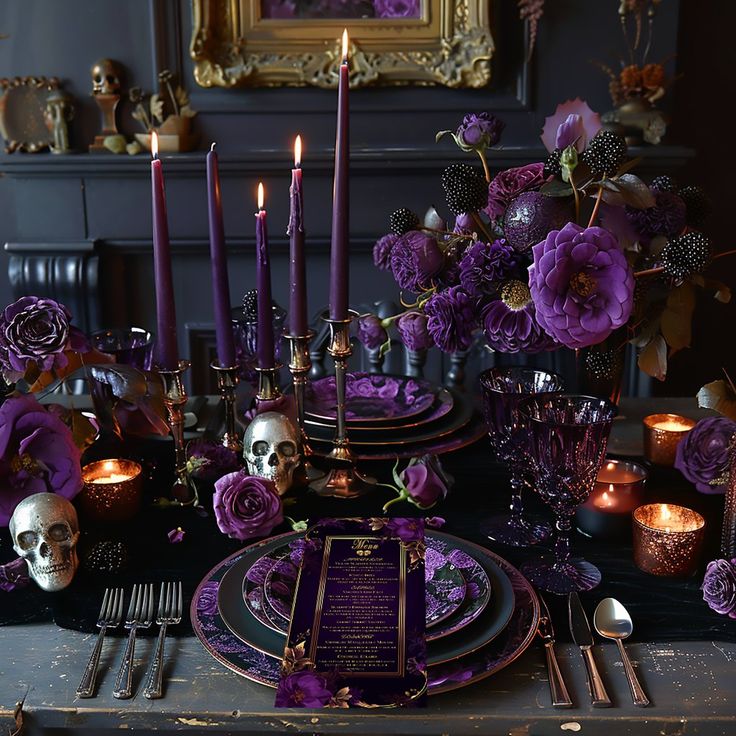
662,434
618,491
668,539
112,490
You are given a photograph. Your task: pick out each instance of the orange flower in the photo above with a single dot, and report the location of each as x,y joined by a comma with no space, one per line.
652,76
631,77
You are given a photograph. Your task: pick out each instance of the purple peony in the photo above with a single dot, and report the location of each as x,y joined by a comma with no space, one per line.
370,331
480,130
702,455
382,251
396,8
208,460
246,506
581,284
426,481
207,601
483,264
719,587
508,184
451,319
510,323
412,329
37,454
415,259
667,217
563,128
303,689
36,331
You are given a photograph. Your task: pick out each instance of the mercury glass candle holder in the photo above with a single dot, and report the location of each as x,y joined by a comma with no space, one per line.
662,434
668,539
112,490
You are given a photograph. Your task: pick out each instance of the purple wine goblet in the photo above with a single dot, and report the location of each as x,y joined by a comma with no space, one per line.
566,437
503,389
130,346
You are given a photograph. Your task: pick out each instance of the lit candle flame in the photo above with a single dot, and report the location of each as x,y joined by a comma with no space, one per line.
109,466
606,500
610,488
298,152
345,45
261,195
154,144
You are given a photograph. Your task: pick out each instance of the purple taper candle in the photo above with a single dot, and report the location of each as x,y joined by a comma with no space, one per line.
339,254
167,351
298,322
218,256
264,336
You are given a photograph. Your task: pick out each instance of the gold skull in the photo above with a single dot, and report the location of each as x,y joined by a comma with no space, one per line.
105,77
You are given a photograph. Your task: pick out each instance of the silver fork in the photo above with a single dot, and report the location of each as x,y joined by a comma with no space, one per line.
111,613
140,615
169,612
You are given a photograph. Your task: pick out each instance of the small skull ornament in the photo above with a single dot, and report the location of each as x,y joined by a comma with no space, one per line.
272,449
45,531
105,77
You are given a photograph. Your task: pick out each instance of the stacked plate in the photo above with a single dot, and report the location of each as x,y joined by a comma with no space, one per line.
392,416
481,612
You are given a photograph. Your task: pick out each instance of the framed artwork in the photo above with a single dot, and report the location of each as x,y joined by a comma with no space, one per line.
265,43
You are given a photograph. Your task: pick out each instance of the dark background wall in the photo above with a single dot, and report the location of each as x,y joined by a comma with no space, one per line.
98,206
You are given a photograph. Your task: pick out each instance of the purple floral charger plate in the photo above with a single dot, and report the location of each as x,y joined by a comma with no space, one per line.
247,661
371,398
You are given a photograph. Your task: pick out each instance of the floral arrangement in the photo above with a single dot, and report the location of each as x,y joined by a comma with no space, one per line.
575,251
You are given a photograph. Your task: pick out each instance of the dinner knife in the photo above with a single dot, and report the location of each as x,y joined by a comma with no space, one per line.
557,688
583,637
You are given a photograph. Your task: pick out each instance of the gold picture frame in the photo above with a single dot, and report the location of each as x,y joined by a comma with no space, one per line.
233,46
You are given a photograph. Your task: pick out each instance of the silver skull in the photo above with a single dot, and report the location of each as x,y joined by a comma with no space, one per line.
272,449
45,531
106,77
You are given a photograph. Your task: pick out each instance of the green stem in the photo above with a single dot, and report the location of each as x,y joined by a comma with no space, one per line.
486,170
403,495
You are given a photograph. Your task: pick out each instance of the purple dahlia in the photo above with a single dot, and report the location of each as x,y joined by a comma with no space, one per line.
508,184
483,264
702,455
667,217
382,251
510,323
415,259
581,284
451,319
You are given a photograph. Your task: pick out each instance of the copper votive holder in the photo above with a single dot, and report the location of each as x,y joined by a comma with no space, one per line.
112,490
668,539
662,434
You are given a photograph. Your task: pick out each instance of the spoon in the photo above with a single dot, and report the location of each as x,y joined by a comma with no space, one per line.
612,621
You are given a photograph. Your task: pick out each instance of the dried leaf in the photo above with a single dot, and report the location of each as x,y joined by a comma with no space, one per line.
635,192
157,107
187,112
653,359
720,396
556,188
182,97
531,11
677,318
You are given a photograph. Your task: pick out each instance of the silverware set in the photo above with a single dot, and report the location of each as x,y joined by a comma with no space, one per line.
611,621
140,615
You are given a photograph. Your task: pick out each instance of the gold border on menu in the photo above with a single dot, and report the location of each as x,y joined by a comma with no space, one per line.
401,644
233,46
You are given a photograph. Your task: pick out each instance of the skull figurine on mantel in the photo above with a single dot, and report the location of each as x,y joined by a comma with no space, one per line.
106,77
272,449
45,532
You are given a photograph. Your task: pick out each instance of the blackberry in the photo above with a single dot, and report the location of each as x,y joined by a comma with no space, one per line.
690,253
250,305
552,166
605,153
465,188
107,556
402,221
664,184
697,204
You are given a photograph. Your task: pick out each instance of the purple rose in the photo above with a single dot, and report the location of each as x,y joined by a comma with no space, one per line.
702,455
451,319
396,8
207,601
581,284
36,331
426,481
382,251
415,259
484,264
14,575
480,130
37,454
246,506
719,587
370,331
412,328
508,184
208,460
304,689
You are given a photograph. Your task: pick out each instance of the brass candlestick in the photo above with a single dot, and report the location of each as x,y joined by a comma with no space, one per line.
342,481
300,365
175,398
227,383
268,383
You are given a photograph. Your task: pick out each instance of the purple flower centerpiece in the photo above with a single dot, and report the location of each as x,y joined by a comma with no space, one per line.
415,259
719,587
484,264
509,184
37,454
246,506
702,455
451,319
581,284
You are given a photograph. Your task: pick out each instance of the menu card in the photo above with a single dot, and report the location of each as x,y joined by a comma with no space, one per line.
356,637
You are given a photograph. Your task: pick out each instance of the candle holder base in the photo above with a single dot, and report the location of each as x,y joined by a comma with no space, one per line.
227,384
300,364
268,383
343,482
